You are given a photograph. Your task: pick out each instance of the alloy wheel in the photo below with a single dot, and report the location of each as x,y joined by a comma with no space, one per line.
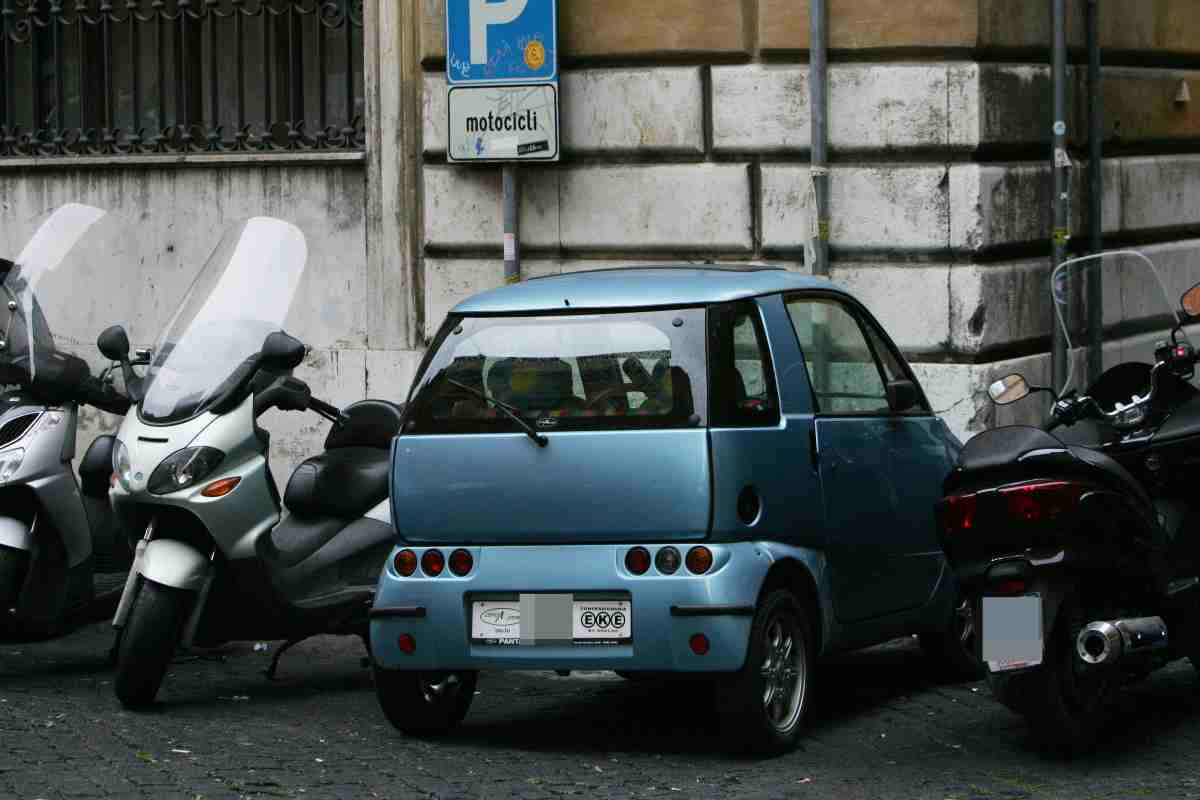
784,673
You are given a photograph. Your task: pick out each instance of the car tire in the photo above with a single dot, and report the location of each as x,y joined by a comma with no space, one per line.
954,647
424,703
13,565
148,642
766,702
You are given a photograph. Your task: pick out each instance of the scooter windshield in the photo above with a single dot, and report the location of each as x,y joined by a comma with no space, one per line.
242,295
35,280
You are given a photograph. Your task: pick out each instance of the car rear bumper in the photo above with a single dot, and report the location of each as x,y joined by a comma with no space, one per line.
666,610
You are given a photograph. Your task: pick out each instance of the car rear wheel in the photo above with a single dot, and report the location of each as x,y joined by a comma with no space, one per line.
424,703
766,702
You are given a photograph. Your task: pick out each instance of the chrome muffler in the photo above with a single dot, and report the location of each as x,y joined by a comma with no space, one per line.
1106,643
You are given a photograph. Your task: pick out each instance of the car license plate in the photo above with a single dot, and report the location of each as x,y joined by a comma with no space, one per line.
1012,632
530,619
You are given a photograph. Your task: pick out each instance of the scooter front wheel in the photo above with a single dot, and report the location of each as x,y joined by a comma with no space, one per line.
424,703
148,642
13,564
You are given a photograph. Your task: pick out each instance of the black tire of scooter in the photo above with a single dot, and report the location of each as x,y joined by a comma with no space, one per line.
13,564
410,712
148,643
953,649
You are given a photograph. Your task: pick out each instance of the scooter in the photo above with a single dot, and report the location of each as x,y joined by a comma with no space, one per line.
58,537
216,562
1079,549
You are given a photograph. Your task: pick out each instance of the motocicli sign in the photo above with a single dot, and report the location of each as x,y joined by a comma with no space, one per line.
502,76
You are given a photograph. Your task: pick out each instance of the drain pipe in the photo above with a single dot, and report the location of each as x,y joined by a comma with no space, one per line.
818,93
1061,201
1095,286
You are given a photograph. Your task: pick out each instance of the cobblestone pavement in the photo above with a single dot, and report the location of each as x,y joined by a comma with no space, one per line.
882,728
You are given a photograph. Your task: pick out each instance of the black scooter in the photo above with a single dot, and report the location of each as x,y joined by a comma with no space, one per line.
1081,550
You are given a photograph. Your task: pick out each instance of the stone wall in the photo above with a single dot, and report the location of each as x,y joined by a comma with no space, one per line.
685,127
172,216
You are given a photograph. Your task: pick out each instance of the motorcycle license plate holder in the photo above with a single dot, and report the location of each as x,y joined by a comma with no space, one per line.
1013,636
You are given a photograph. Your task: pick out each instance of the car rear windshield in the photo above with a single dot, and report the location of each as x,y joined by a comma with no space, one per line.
643,369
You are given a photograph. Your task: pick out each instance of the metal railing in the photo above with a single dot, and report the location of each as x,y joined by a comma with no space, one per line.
127,77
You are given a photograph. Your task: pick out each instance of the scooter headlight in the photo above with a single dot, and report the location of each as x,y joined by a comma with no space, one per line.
122,465
183,468
10,462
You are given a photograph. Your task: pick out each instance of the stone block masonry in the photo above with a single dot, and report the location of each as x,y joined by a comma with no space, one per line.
686,136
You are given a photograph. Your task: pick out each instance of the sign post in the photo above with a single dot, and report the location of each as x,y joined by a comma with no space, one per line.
502,94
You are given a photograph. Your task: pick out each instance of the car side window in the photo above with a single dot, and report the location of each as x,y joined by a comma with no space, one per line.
893,369
743,391
845,376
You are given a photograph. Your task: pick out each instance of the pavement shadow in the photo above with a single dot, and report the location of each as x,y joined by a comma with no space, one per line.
679,716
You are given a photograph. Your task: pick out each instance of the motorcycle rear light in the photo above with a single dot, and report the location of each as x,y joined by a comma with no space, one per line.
433,562
1041,501
699,644
637,560
407,644
1010,587
461,562
957,512
699,560
405,562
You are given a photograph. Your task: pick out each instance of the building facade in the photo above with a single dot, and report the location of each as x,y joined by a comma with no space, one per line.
685,127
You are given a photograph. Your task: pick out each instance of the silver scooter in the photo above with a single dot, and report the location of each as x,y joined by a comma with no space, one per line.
58,536
216,563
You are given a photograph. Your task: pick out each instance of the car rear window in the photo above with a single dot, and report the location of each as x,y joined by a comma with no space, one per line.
642,369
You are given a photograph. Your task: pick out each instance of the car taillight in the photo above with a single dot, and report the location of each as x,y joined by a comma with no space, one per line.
699,560
406,562
957,512
433,562
1041,501
637,560
461,562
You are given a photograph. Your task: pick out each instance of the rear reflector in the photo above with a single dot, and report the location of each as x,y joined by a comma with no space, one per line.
699,644
407,644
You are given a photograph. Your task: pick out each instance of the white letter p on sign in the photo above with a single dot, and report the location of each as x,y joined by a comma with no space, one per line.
484,14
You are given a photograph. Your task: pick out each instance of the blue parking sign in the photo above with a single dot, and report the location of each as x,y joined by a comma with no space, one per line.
501,41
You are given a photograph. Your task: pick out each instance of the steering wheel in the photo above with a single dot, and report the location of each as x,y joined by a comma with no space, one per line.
606,394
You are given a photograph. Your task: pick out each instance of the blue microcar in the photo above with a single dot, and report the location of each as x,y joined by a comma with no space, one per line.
708,471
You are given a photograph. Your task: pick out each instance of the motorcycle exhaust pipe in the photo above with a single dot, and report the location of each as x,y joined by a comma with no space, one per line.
1106,643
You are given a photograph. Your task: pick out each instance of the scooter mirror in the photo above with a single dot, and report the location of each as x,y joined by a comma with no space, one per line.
114,344
1191,301
281,353
1008,389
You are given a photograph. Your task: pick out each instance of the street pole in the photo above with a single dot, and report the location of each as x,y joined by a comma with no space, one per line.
818,81
511,203
1095,284
1061,201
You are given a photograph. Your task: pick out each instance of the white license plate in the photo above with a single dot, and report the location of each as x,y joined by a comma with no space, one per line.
550,619
1012,632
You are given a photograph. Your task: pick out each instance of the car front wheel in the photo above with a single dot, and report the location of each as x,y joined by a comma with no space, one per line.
767,701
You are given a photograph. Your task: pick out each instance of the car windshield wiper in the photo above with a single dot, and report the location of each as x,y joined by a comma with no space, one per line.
505,409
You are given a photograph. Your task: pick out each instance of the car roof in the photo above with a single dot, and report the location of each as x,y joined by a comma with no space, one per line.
640,287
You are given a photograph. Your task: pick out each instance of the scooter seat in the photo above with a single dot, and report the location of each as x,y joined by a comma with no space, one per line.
344,483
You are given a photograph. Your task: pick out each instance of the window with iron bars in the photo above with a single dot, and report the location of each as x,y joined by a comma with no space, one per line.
127,77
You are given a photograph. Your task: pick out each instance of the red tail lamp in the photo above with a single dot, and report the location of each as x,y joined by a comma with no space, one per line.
405,562
1009,587
407,644
699,644
699,560
1045,500
220,488
957,512
637,560
433,562
461,562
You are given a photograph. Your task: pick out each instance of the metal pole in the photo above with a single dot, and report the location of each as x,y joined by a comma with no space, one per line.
511,203
1061,165
818,87
1095,286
